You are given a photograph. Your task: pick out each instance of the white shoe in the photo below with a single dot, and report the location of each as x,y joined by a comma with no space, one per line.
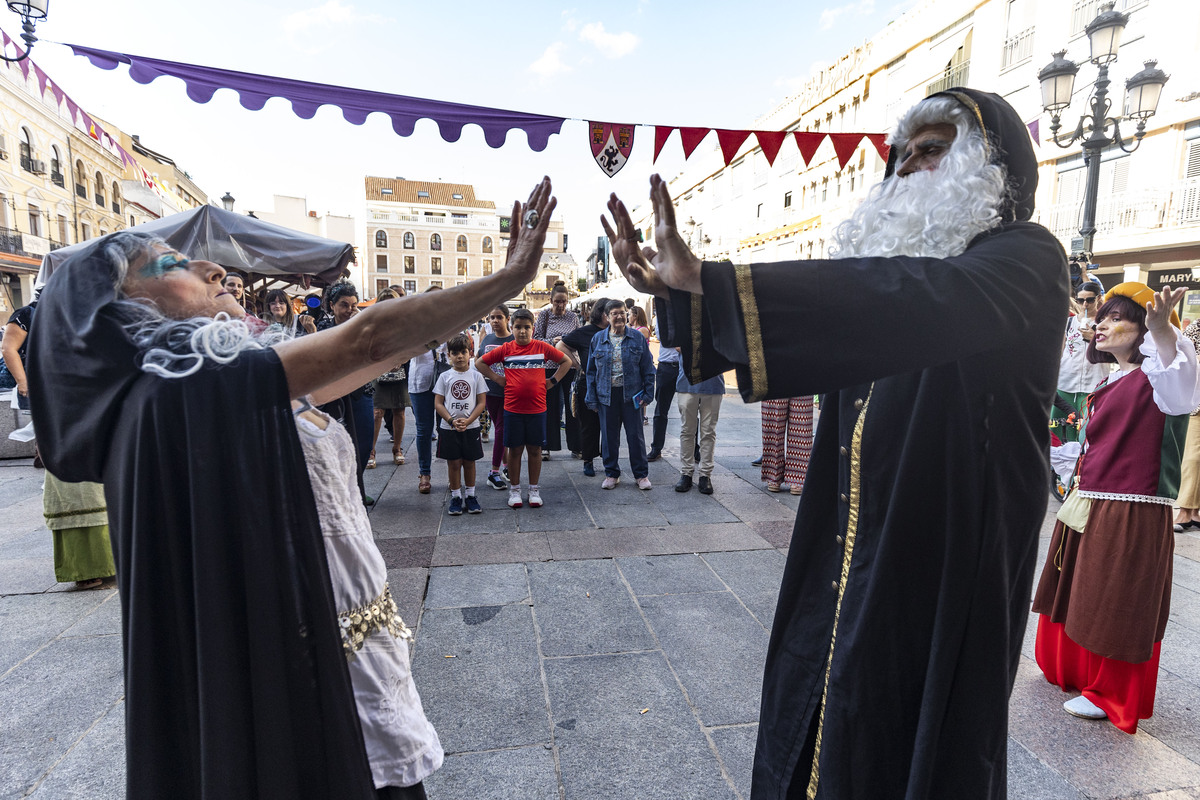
1084,708
610,483
514,498
644,484
535,498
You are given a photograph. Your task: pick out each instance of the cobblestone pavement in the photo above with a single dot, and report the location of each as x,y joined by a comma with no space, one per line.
607,645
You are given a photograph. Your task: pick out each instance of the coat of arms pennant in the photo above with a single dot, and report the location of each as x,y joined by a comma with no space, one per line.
611,145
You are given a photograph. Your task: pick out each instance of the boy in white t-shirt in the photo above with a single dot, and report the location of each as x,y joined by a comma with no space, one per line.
459,397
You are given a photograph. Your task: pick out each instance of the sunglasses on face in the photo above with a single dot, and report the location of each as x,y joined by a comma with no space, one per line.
1088,300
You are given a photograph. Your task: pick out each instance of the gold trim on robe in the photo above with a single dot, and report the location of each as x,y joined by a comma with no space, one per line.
847,554
697,323
754,345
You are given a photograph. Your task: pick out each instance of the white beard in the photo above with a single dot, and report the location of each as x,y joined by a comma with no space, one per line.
935,213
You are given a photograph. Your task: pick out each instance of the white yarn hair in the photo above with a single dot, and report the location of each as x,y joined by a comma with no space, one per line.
176,348
930,213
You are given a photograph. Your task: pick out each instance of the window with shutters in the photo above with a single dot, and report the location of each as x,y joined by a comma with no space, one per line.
1189,195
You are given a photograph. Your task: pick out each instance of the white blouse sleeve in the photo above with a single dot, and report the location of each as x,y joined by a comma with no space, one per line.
1174,379
1063,458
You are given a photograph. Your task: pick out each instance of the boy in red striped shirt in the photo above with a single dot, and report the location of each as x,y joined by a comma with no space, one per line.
524,380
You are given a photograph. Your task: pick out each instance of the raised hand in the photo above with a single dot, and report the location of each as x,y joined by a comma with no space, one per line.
1158,310
525,244
633,262
675,262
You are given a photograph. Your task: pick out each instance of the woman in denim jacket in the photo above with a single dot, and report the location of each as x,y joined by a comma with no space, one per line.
619,370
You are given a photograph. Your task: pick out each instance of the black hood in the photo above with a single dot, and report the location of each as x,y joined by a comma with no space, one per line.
1008,144
81,363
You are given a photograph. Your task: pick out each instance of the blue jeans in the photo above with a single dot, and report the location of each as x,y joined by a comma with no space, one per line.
422,406
612,417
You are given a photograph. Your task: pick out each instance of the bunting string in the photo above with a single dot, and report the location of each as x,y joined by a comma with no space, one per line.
356,105
79,118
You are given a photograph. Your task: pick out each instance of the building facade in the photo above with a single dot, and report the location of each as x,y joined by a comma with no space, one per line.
58,185
427,233
1149,211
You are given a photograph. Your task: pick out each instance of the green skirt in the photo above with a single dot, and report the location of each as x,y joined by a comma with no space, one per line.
81,554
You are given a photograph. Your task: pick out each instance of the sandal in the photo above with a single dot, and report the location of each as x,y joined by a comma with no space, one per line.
371,461
772,486
424,485
93,583
398,457
796,490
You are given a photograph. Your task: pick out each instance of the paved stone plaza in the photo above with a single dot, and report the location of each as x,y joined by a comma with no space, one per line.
607,645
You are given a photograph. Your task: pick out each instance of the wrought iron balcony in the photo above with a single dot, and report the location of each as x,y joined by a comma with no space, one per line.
1167,206
955,76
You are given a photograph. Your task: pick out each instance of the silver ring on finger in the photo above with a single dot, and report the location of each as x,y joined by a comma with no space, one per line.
531,218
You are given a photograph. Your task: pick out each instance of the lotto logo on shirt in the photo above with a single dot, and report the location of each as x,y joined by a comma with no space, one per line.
531,361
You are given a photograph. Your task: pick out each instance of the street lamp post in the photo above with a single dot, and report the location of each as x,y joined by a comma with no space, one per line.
1142,92
31,11
227,202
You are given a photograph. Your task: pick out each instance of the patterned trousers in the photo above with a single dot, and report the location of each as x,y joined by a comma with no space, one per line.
787,439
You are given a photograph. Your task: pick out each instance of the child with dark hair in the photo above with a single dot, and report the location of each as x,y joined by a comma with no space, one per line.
458,399
525,384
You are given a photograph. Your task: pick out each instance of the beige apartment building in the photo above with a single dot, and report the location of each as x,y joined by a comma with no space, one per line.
175,192
430,233
427,233
58,186
1149,210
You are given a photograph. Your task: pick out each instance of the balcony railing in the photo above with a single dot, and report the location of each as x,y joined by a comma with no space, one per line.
81,191
1084,11
1172,205
116,207
57,179
100,200
12,241
1017,49
955,76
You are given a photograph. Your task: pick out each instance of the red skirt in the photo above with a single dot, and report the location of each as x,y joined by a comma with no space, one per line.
1123,690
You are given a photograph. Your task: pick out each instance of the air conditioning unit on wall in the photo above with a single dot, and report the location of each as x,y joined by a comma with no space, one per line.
38,167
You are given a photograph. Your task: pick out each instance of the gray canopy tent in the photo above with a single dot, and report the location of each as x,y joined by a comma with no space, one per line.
261,250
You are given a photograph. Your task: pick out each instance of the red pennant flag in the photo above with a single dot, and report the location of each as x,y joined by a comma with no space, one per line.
808,144
770,142
881,145
661,134
730,142
844,144
691,139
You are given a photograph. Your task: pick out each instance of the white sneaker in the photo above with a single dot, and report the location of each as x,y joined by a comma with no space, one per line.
1082,707
610,483
644,484
514,498
535,498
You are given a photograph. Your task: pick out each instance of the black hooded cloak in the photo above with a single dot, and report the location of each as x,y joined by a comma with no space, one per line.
906,592
235,680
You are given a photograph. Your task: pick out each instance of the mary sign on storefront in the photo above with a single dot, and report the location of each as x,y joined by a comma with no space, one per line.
611,145
1176,278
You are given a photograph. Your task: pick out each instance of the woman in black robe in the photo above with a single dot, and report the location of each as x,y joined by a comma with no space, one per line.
236,684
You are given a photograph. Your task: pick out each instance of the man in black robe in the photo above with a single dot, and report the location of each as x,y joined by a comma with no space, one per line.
906,592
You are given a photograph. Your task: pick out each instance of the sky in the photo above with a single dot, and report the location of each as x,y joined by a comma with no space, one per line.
703,63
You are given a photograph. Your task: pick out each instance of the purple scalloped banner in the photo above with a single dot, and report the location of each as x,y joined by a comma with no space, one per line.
356,104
